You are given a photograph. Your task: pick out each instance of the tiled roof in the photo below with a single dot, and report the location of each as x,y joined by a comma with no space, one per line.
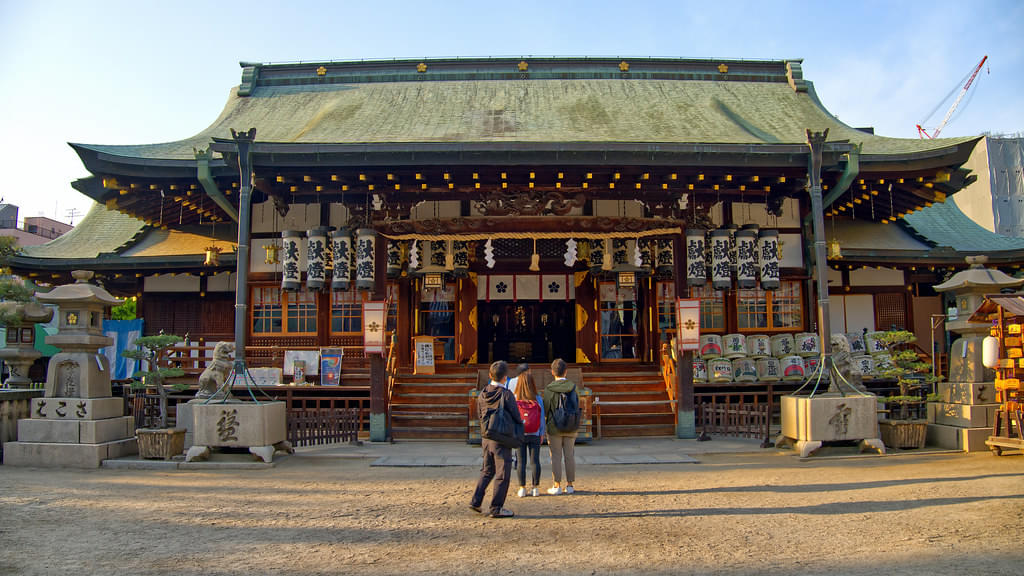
567,104
101,231
943,224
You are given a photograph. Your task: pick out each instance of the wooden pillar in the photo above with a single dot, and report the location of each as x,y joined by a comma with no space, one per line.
378,377
686,418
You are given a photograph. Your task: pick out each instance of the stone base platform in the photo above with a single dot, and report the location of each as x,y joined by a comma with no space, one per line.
957,438
62,455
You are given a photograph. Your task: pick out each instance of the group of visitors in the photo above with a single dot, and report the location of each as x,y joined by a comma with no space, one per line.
514,416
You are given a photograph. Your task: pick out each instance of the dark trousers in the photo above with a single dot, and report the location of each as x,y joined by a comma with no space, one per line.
497,463
530,449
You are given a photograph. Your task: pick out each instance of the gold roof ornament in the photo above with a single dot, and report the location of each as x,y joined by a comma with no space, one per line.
624,66
421,67
321,71
723,68
523,66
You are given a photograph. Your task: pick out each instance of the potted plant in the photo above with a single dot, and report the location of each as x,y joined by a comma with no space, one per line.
161,442
904,424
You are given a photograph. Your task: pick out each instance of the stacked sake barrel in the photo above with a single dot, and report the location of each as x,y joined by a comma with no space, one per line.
868,353
740,358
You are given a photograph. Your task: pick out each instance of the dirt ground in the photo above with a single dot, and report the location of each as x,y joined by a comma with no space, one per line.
766,513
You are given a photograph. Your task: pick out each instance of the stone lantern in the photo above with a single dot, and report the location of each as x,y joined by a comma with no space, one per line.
77,422
962,418
19,353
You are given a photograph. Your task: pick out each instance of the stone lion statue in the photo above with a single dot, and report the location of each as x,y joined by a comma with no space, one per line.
217,370
845,365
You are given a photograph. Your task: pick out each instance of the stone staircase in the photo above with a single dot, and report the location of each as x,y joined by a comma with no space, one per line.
431,406
631,401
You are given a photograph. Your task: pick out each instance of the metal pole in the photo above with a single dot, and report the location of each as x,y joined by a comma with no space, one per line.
816,141
243,140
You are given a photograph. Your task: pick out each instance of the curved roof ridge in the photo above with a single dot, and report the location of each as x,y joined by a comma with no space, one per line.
101,231
944,224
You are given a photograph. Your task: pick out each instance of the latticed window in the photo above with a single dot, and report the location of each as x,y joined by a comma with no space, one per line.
891,311
301,307
266,310
666,311
347,312
712,307
779,309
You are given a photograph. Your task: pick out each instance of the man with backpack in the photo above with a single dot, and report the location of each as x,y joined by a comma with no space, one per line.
501,430
562,417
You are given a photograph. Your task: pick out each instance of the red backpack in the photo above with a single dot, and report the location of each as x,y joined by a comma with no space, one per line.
530,411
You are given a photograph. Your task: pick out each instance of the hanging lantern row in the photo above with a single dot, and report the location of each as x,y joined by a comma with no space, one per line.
756,253
322,256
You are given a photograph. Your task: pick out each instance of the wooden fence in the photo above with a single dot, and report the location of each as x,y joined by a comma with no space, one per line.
326,426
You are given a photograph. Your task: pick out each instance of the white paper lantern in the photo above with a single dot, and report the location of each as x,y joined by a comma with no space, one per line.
291,246
341,243
316,257
990,352
460,250
720,277
365,239
768,254
696,270
394,263
664,258
746,248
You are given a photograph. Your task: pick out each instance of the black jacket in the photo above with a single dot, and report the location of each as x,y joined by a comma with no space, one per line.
490,397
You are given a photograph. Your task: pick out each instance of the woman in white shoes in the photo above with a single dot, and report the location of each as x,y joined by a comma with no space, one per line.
531,408
561,414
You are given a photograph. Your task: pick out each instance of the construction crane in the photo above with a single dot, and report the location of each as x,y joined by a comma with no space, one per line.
949,114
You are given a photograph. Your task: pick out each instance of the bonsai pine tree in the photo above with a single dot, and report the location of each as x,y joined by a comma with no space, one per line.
907,368
154,350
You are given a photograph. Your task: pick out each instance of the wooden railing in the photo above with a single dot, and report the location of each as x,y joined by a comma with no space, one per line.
668,374
391,376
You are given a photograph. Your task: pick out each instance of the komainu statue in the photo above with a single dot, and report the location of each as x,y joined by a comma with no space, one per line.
217,370
847,368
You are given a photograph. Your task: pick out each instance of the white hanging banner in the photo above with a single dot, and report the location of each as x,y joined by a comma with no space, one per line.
688,323
527,287
374,321
720,277
556,287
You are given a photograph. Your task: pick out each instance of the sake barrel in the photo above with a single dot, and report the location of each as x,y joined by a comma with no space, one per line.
792,367
710,345
769,369
734,346
720,370
856,340
811,364
872,345
866,364
744,370
700,370
882,362
807,344
759,346
782,345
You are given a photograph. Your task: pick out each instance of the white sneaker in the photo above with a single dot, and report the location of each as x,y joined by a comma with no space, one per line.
554,490
569,490
534,492
522,492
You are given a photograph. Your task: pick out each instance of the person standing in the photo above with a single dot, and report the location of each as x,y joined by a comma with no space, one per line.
497,457
531,408
560,397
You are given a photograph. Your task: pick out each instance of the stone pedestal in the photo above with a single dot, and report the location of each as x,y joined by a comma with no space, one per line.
964,417
259,427
78,423
808,422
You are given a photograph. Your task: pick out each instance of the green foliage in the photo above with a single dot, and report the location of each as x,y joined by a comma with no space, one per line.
8,247
154,349
125,311
907,368
13,290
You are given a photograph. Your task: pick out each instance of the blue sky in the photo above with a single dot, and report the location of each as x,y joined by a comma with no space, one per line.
137,72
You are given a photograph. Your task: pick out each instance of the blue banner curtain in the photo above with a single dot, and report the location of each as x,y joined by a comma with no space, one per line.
124,333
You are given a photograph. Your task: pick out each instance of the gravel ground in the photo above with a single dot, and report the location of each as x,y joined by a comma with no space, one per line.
764,513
